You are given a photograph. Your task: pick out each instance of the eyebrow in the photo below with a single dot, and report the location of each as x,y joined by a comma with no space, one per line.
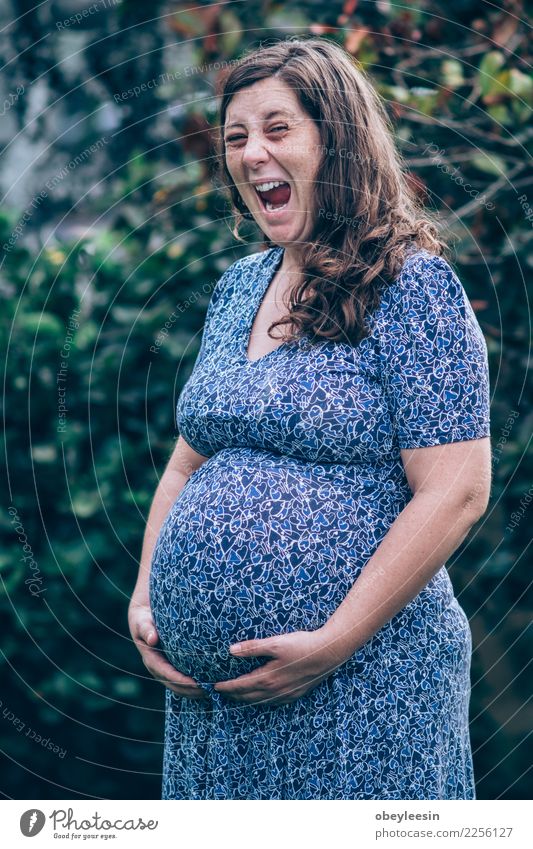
267,117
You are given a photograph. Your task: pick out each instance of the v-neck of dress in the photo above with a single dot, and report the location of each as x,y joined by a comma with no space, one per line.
260,290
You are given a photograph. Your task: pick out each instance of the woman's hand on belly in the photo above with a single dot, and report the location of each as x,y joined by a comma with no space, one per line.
145,637
300,661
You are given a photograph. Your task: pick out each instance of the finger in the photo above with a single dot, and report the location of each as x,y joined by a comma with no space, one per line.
243,684
186,694
146,631
166,673
188,691
252,697
255,648
163,670
183,686
150,636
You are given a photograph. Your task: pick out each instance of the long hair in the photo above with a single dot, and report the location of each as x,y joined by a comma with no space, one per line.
367,217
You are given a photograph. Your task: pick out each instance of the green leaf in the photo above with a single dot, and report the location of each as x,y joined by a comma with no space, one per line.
424,99
86,335
231,32
489,66
41,322
452,73
521,84
489,164
397,93
86,504
499,113
126,687
44,453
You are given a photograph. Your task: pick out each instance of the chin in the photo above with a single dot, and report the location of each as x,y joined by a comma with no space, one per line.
281,237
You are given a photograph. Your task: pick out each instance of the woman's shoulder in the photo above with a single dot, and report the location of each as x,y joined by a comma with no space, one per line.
426,283
421,267
427,312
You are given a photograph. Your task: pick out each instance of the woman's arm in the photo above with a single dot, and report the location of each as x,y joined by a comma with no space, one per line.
183,462
451,488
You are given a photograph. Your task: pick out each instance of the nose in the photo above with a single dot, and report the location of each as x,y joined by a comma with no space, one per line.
255,152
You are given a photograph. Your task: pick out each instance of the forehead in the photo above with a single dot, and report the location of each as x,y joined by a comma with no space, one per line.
262,100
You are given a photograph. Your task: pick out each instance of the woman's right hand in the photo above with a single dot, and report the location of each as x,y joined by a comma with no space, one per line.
145,637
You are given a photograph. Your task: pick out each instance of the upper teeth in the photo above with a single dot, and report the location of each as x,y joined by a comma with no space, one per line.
265,187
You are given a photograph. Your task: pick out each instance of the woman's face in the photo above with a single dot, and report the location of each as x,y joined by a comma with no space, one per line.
269,138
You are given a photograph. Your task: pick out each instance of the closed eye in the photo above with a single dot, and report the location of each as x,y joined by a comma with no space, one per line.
240,136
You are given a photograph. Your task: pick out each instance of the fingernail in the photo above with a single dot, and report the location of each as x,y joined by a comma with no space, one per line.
236,647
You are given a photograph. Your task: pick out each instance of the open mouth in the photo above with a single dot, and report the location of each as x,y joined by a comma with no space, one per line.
274,196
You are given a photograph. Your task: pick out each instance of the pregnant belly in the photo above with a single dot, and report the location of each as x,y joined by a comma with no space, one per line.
257,545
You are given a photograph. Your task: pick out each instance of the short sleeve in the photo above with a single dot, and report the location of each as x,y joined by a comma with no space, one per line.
433,357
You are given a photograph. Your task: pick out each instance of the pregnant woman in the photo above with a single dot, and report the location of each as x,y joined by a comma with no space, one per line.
293,595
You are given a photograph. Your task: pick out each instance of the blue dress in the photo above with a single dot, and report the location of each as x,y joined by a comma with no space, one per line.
303,479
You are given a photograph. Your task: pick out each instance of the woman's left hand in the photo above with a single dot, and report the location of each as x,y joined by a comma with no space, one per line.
300,661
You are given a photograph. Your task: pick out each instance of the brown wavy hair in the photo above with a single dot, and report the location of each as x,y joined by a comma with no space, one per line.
362,178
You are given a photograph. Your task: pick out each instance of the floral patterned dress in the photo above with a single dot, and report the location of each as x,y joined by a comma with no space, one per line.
303,479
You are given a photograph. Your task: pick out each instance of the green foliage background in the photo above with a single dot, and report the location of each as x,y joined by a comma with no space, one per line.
135,233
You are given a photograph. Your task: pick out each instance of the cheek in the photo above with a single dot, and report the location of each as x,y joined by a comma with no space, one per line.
233,164
307,189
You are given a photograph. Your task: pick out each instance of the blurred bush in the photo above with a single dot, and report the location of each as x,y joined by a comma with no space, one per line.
105,281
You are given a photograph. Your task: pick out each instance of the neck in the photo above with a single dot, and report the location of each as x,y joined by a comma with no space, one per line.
292,260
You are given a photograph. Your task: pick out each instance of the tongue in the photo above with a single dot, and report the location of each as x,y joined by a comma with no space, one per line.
279,195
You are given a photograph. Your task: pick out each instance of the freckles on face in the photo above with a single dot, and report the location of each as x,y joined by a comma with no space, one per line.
272,150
